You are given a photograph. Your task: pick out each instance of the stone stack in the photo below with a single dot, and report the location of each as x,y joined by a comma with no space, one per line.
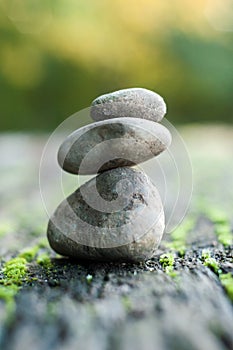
117,215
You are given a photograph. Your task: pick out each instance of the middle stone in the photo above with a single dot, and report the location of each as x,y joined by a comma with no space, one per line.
114,143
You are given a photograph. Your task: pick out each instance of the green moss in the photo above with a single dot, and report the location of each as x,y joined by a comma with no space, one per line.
166,259
43,243
224,234
227,282
44,260
167,262
179,236
181,232
177,246
217,216
212,264
29,254
205,254
222,227
225,279
14,271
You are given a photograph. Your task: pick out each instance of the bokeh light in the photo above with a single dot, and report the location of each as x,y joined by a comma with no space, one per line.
56,57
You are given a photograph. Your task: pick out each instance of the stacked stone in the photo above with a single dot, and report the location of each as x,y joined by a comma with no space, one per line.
117,215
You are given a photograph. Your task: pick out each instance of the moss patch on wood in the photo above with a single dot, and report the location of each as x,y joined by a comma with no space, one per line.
167,262
44,260
179,236
29,253
222,226
224,234
210,262
15,272
227,282
226,279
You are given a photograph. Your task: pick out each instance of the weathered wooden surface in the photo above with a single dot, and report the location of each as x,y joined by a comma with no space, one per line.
75,305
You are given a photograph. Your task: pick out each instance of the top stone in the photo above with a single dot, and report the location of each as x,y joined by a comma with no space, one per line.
135,102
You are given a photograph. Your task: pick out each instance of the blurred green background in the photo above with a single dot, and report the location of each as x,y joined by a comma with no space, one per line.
57,56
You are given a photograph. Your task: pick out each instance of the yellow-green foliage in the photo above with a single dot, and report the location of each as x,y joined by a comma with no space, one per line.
227,282
132,26
213,264
210,262
179,236
217,216
222,227
104,45
29,253
167,262
44,260
166,259
205,254
43,243
225,279
14,271
224,234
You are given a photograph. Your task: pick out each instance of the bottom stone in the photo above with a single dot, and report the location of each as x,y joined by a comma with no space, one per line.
117,216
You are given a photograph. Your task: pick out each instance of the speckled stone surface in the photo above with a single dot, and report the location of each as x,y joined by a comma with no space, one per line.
134,102
112,143
116,216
